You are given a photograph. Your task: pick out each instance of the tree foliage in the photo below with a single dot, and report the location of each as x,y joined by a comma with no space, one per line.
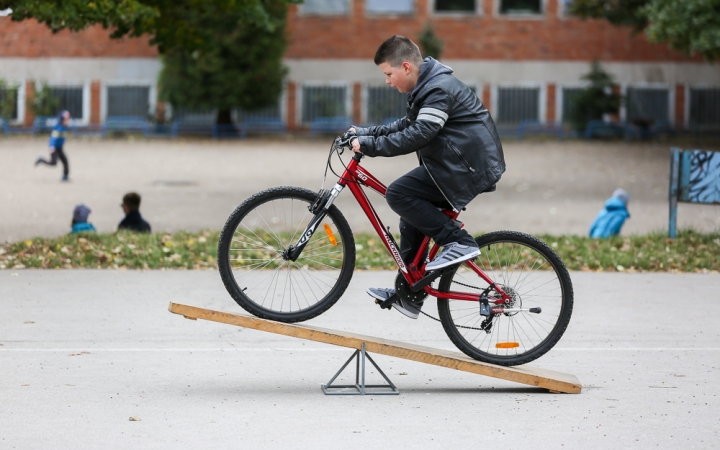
690,26
169,23
430,44
596,100
240,68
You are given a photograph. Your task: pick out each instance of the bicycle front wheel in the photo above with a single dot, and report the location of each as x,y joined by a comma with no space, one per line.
261,279
533,275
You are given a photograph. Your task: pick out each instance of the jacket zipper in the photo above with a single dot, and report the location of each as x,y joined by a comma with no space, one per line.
461,158
438,186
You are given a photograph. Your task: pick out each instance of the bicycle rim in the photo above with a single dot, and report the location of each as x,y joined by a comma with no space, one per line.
534,277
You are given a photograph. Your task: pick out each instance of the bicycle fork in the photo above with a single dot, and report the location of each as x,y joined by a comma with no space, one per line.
320,208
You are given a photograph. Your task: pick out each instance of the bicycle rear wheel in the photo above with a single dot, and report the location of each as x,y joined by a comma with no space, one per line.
261,280
533,275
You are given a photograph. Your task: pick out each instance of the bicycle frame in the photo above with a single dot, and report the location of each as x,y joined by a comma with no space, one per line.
354,177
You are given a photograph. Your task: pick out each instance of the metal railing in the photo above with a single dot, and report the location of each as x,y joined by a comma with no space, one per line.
70,99
705,108
647,105
517,104
384,104
323,101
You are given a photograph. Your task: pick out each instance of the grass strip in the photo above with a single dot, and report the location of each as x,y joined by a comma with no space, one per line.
690,252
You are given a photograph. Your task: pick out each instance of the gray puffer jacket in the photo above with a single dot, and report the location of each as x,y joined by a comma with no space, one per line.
451,131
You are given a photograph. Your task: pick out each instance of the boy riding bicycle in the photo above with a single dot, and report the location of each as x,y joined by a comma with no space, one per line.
458,148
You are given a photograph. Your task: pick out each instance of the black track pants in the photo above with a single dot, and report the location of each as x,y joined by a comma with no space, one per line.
414,197
54,156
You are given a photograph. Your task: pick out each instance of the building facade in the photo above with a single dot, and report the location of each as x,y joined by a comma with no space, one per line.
524,59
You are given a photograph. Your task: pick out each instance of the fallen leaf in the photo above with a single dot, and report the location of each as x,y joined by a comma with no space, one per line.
134,419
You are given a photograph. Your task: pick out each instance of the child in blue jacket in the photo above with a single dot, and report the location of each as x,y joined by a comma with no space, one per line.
610,220
80,222
57,140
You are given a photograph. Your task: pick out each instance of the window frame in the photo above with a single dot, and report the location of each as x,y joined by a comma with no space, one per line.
85,85
648,85
478,10
522,16
686,106
104,97
348,85
302,13
20,120
542,98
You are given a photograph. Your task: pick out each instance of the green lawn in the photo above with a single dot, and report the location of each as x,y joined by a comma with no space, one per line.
690,252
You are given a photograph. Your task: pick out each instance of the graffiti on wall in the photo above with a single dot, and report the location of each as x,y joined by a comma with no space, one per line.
703,179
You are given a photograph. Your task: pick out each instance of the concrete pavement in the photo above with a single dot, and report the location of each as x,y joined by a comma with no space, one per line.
82,351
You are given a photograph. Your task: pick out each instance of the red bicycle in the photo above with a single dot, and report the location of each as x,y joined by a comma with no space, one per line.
288,254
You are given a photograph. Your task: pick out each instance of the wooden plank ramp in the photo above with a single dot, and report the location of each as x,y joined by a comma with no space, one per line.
548,379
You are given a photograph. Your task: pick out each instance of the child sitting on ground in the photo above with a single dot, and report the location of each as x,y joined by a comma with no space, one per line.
610,219
80,220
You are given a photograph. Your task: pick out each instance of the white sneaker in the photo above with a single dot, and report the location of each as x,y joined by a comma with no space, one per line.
452,254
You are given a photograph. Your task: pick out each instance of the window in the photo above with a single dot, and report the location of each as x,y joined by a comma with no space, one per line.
452,6
516,105
9,100
646,106
520,6
323,101
389,6
705,107
128,101
569,98
385,104
326,7
71,99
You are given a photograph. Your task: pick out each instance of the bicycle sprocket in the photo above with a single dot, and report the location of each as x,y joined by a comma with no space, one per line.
403,290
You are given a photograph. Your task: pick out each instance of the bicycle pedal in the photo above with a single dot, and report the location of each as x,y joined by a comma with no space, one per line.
387,304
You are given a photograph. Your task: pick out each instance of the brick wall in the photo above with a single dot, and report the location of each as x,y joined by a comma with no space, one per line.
485,36
31,39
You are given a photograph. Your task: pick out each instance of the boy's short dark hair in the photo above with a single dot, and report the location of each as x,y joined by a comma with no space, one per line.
132,200
396,50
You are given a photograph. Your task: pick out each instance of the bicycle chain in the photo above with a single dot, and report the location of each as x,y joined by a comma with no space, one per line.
458,326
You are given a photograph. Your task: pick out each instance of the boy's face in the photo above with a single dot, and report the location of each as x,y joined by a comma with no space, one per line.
402,78
66,118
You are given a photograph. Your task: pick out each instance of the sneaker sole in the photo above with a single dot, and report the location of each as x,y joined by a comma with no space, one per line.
405,312
472,255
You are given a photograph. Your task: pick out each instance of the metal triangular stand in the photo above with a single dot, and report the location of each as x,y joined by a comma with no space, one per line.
360,388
